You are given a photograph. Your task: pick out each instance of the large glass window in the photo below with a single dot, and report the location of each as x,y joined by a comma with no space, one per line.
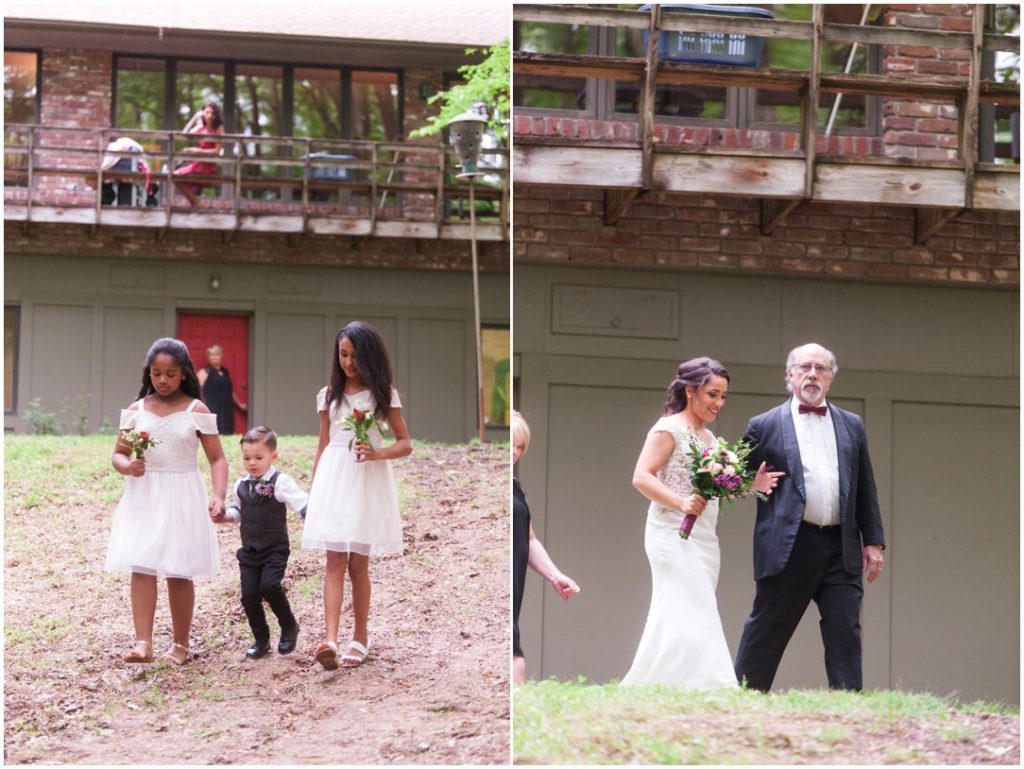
497,373
375,106
141,93
259,102
543,91
195,84
317,102
21,77
11,317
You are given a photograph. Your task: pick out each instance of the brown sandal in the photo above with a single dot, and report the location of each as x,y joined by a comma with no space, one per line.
136,656
169,654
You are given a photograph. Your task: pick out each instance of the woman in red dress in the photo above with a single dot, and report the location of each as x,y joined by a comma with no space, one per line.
209,121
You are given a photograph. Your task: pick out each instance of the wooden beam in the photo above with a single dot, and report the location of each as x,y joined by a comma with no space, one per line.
616,202
850,183
577,166
920,88
928,220
996,190
573,65
674,72
809,104
647,90
742,176
969,108
999,93
774,212
581,15
1008,43
871,35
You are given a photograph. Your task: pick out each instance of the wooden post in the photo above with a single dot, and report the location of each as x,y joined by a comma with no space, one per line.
476,315
969,121
811,97
649,83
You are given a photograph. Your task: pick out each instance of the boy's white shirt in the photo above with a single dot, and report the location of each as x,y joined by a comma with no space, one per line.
285,490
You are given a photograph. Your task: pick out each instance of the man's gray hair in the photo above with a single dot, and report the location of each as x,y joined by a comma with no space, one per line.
791,361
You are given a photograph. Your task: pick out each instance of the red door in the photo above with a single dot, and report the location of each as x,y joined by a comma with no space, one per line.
200,331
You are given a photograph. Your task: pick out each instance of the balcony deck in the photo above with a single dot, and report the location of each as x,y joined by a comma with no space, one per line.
262,184
938,189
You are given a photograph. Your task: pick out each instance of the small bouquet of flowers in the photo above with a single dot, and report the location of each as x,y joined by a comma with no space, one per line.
718,472
360,423
138,441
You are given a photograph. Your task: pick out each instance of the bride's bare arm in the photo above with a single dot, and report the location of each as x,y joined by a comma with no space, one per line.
655,453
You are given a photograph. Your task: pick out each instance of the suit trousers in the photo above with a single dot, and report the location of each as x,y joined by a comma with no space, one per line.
261,573
815,572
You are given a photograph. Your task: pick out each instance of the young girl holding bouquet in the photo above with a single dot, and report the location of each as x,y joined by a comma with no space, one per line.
162,527
353,502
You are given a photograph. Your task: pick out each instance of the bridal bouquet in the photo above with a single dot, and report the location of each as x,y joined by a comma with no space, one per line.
718,472
138,442
360,423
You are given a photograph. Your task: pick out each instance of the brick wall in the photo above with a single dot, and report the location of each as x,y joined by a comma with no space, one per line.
559,225
321,250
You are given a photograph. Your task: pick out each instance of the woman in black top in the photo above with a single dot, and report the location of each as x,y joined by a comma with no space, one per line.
527,550
217,391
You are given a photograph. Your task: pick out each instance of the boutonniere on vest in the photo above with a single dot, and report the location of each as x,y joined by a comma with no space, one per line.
360,422
265,489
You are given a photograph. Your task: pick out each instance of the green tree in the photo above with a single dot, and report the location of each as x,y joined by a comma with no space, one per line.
486,82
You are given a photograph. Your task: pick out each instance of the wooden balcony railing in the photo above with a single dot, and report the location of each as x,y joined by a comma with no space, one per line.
940,189
261,183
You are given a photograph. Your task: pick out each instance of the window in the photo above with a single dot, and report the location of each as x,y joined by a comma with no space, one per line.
495,346
21,87
695,104
259,98
999,124
375,106
11,317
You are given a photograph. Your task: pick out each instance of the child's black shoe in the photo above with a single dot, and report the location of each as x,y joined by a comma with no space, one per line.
258,649
289,638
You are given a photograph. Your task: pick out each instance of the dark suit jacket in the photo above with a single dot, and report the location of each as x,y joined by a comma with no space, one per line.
773,436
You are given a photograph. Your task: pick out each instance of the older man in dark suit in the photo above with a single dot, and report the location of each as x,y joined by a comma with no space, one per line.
820,530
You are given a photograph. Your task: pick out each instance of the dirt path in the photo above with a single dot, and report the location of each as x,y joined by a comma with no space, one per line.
434,692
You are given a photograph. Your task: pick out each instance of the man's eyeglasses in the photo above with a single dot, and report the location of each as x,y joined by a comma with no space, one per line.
806,368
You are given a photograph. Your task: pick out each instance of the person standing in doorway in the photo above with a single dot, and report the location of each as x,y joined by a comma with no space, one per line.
218,391
818,533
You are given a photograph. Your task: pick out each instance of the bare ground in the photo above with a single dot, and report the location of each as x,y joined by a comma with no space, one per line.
435,690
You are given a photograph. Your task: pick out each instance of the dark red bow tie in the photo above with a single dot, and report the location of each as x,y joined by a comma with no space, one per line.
819,410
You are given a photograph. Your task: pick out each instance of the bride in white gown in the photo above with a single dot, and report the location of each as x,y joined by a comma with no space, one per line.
683,643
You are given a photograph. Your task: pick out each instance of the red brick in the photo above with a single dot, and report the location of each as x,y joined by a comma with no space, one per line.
698,244
957,23
929,273
718,260
676,259
1009,277
1003,261
741,246
937,126
633,256
590,254
934,67
679,228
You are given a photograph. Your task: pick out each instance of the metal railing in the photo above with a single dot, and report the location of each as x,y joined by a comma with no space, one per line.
56,167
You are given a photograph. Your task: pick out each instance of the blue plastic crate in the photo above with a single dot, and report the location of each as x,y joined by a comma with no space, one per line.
712,47
335,173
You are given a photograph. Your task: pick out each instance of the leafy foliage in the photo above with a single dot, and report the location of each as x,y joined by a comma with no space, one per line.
486,82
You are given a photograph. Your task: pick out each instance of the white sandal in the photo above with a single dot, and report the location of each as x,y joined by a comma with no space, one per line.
169,655
351,660
327,655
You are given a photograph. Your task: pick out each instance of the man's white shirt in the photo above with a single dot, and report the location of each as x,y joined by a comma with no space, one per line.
816,436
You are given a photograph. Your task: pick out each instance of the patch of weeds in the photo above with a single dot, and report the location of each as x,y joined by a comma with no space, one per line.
13,635
834,733
901,755
153,697
209,731
51,630
957,733
308,587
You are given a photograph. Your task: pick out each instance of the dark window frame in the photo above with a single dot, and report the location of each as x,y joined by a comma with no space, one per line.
16,335
288,90
39,75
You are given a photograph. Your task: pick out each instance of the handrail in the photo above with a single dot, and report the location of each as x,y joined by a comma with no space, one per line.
365,168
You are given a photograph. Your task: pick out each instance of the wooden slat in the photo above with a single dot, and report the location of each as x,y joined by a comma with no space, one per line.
999,93
996,190
736,176
871,35
774,212
578,14
616,203
670,72
574,65
1008,43
809,105
578,166
927,221
969,111
920,88
386,229
932,187
647,89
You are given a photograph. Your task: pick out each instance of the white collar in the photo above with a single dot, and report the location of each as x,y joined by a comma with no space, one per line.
264,478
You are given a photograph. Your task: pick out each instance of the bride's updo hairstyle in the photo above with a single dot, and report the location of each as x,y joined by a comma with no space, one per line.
691,373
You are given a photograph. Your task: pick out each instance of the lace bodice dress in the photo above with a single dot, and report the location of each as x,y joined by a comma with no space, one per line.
683,643
353,506
162,523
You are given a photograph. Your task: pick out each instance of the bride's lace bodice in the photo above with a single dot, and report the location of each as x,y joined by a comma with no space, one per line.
675,473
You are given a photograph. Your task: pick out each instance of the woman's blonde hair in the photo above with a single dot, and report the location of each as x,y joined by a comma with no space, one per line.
214,349
520,430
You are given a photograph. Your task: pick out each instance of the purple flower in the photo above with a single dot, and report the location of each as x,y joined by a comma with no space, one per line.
728,482
265,489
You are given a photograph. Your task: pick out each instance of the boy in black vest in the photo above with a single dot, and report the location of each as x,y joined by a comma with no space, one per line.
260,499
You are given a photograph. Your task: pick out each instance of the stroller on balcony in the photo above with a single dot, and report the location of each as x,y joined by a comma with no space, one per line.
126,192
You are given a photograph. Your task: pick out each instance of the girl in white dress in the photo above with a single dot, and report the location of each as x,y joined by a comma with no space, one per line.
353,502
683,643
162,526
